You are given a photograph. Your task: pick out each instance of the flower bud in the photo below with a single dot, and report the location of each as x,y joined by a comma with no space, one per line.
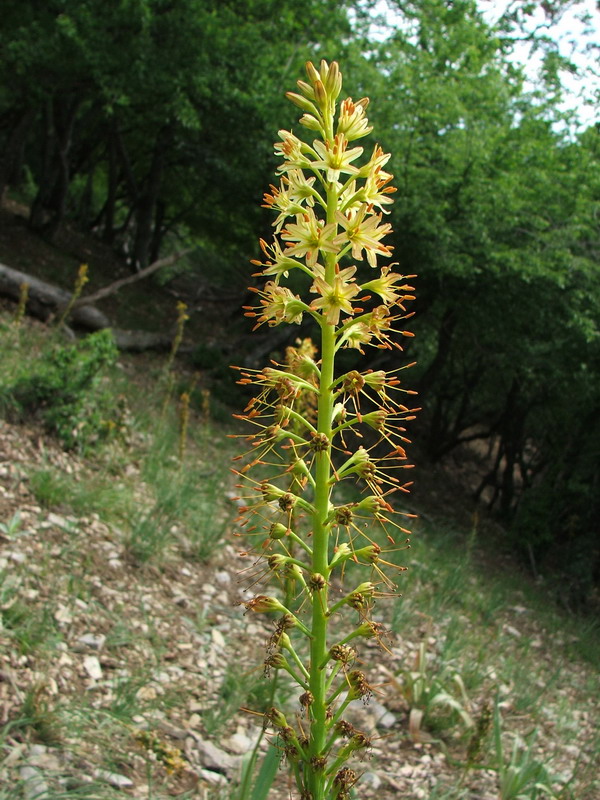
339,412
278,531
301,102
261,604
373,504
311,122
274,717
342,553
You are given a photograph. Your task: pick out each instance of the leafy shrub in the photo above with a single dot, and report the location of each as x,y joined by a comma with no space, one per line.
63,387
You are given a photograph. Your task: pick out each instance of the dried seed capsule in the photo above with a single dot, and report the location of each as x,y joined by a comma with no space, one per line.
359,686
287,501
275,718
353,382
318,442
343,516
261,604
316,582
274,661
343,782
345,729
342,653
307,699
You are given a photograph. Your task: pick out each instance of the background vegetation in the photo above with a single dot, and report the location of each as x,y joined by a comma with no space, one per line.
149,123
131,131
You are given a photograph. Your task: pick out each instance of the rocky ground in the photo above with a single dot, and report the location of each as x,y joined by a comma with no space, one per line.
128,680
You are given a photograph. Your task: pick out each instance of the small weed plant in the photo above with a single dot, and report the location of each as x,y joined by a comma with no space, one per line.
315,428
434,698
521,776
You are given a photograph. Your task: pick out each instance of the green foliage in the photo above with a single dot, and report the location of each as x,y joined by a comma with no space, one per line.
37,719
145,98
63,388
188,510
496,210
436,698
521,776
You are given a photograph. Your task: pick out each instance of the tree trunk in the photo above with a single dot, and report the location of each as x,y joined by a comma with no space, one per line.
49,206
37,212
12,157
108,230
144,216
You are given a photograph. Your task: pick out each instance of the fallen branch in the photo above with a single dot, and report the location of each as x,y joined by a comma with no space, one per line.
114,287
45,299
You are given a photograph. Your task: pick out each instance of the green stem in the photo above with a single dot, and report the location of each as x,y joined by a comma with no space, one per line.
321,528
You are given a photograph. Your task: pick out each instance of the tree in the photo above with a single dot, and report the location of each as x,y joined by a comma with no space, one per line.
496,210
146,116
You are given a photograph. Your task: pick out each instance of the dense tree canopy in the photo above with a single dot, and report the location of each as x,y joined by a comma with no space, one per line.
153,119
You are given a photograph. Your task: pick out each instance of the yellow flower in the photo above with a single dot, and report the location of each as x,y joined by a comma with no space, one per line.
352,121
293,151
335,157
378,160
311,236
280,199
293,190
385,287
299,187
277,304
277,263
363,234
336,297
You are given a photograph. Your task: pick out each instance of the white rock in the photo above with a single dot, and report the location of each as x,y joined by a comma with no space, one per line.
384,718
92,666
214,778
95,641
34,786
63,614
371,780
239,743
113,779
222,577
212,757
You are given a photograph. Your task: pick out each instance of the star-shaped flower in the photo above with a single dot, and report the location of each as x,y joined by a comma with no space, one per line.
336,297
311,235
335,157
363,233
385,287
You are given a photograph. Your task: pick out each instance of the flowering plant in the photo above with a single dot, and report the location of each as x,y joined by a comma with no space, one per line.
307,419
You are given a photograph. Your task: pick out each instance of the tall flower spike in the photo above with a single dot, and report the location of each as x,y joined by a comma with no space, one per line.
309,433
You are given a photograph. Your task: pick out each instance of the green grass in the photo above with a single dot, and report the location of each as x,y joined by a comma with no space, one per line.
502,635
